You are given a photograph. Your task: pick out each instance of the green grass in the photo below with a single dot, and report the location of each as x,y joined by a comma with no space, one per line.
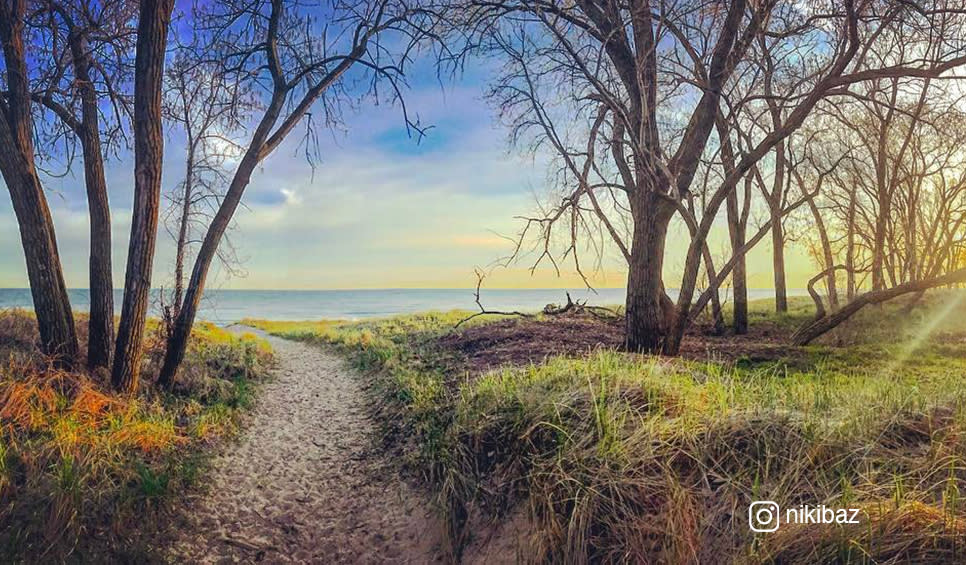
618,457
86,472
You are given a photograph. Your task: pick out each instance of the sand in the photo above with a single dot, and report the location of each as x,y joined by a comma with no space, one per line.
305,483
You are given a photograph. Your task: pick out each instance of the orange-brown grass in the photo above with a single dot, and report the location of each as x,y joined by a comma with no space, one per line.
84,471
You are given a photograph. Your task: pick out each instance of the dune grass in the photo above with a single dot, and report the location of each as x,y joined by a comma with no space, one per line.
84,471
617,457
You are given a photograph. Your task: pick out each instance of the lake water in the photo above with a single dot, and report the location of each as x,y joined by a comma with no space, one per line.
226,306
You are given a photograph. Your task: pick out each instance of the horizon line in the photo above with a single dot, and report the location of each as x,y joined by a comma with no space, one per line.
374,289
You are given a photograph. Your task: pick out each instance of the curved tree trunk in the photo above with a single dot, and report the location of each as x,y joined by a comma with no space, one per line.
263,142
827,255
821,325
100,344
58,336
153,24
178,340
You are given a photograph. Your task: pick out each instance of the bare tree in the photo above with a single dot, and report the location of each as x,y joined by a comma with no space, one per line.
152,36
207,109
824,248
17,164
88,46
900,151
295,63
657,73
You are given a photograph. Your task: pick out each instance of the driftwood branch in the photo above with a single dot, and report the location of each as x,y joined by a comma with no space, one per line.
572,306
479,282
579,307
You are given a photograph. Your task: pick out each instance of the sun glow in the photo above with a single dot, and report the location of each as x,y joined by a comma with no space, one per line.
925,332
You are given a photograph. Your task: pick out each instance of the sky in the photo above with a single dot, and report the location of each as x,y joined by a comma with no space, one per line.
378,211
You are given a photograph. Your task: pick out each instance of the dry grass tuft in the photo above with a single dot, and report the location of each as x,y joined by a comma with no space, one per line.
626,458
83,470
913,532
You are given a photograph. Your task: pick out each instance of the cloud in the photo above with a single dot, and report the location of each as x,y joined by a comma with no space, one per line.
377,210
291,197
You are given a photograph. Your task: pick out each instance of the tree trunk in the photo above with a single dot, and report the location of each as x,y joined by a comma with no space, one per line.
814,329
55,320
648,308
153,21
778,260
717,316
850,248
259,147
182,243
178,339
827,255
100,342
878,248
736,229
912,261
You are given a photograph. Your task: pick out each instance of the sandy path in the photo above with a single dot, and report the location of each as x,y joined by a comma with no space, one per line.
304,484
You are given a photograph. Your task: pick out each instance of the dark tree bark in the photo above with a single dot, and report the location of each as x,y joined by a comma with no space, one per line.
739,276
153,22
649,309
58,337
778,261
69,90
100,343
737,227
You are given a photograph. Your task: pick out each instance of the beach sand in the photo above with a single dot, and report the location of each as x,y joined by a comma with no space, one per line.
305,484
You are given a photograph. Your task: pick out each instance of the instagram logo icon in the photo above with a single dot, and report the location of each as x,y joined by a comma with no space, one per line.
763,516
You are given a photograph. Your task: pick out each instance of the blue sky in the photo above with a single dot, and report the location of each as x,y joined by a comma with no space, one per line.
378,210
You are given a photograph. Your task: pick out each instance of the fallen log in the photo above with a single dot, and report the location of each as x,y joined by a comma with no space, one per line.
821,325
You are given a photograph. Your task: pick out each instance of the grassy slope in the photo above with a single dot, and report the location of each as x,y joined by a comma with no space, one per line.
619,457
84,470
